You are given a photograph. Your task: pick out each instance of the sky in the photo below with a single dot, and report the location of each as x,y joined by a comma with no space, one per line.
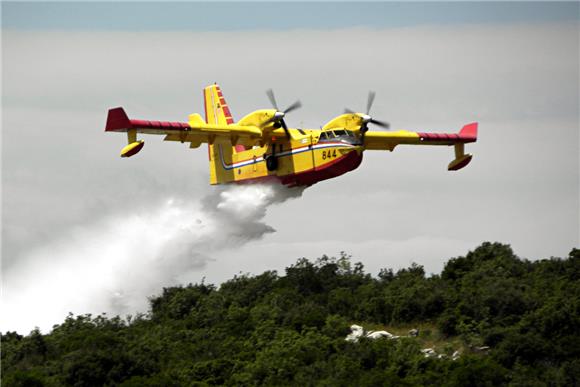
73,211
274,15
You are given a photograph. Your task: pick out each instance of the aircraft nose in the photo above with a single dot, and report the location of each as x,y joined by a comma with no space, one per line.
357,148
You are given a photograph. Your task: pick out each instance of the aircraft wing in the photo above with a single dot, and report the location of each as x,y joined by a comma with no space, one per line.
196,131
389,140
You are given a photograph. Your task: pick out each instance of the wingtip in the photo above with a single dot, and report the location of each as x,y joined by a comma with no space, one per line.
469,132
117,120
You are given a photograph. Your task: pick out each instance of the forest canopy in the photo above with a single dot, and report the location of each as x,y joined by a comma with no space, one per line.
490,317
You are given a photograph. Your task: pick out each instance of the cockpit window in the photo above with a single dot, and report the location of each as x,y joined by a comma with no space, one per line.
338,135
302,132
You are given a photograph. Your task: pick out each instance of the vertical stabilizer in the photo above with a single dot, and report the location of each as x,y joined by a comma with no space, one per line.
216,109
217,112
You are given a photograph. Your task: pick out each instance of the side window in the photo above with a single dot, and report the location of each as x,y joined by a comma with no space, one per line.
323,136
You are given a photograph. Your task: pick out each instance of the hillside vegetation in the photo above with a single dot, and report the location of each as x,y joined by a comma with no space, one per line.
290,329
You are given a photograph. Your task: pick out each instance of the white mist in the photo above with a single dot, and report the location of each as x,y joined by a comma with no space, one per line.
113,264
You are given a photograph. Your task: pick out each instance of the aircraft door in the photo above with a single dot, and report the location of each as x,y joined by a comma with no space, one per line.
311,139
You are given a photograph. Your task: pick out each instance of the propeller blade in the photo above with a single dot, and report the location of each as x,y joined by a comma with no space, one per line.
348,111
363,129
285,128
270,94
294,106
382,124
370,101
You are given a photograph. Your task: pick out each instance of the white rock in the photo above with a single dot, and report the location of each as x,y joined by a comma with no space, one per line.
429,352
356,332
455,355
378,334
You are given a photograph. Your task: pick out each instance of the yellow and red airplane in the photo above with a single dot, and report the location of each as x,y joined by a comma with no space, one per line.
261,146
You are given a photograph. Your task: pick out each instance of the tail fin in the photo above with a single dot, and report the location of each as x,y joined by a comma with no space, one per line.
216,109
217,112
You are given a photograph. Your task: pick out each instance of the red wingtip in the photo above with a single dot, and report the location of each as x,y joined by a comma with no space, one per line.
117,121
469,132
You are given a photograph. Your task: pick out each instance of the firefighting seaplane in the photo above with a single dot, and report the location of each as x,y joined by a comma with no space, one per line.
260,146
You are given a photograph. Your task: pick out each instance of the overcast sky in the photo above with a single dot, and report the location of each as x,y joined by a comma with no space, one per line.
516,75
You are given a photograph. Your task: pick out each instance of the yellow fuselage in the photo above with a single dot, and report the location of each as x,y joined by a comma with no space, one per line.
301,160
